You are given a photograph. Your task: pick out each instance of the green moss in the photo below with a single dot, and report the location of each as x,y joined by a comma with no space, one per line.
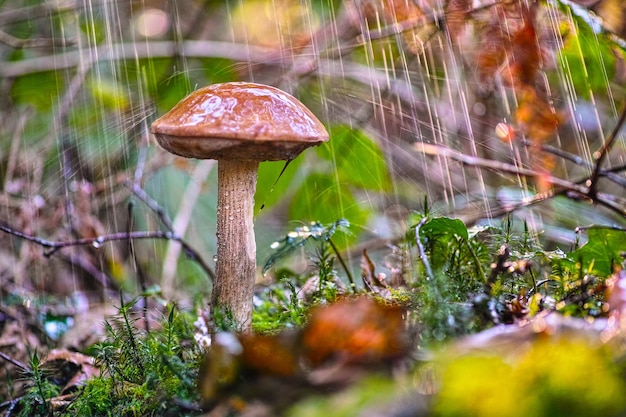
552,378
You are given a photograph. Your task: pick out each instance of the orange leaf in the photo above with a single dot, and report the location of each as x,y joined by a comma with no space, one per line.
523,55
457,14
354,331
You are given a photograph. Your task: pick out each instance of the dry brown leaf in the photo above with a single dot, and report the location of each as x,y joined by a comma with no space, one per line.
357,330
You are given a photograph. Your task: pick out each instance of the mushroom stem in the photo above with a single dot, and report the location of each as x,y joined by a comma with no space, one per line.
235,269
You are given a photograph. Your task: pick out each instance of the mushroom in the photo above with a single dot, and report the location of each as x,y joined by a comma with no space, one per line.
239,124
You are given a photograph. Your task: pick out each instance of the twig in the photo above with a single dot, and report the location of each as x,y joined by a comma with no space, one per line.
573,189
45,9
425,18
600,226
15,362
167,222
343,265
496,166
140,50
601,154
181,222
421,250
151,204
18,43
98,241
576,159
10,405
139,270
609,174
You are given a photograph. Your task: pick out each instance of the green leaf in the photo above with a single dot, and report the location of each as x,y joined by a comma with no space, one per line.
588,59
272,185
40,90
320,198
108,93
602,252
219,70
442,226
300,236
441,237
358,160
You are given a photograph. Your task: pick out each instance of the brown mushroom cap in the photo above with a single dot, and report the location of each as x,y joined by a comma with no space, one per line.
239,121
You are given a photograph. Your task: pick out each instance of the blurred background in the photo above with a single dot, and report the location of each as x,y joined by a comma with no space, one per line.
509,85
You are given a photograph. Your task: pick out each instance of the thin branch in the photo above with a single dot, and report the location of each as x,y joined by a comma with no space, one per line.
45,9
343,265
183,218
425,18
19,43
600,226
15,362
134,51
421,250
609,174
573,189
437,150
150,203
167,222
98,241
601,154
568,156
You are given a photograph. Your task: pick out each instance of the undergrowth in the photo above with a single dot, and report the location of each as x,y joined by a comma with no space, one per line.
143,372
450,279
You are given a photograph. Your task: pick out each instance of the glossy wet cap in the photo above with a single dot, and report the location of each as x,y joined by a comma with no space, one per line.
239,121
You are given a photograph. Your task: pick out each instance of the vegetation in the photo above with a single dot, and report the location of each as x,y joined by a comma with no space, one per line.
456,248
465,282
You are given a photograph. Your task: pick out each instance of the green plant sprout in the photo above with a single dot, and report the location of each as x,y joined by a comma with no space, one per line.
300,236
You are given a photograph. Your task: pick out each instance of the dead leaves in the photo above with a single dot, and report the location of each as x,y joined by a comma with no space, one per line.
339,342
354,331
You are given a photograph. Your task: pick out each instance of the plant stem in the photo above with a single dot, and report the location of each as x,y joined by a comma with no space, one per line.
344,265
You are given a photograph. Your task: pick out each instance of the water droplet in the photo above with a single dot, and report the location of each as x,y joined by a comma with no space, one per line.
97,243
275,245
214,258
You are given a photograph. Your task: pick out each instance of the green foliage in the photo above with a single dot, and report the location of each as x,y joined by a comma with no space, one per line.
323,197
142,371
588,59
602,252
35,402
278,307
355,164
284,304
357,159
39,90
300,236
274,180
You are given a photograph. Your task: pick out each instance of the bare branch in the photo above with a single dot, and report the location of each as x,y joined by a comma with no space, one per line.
151,204
15,362
132,51
496,166
574,190
98,241
420,248
601,154
14,15
19,43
